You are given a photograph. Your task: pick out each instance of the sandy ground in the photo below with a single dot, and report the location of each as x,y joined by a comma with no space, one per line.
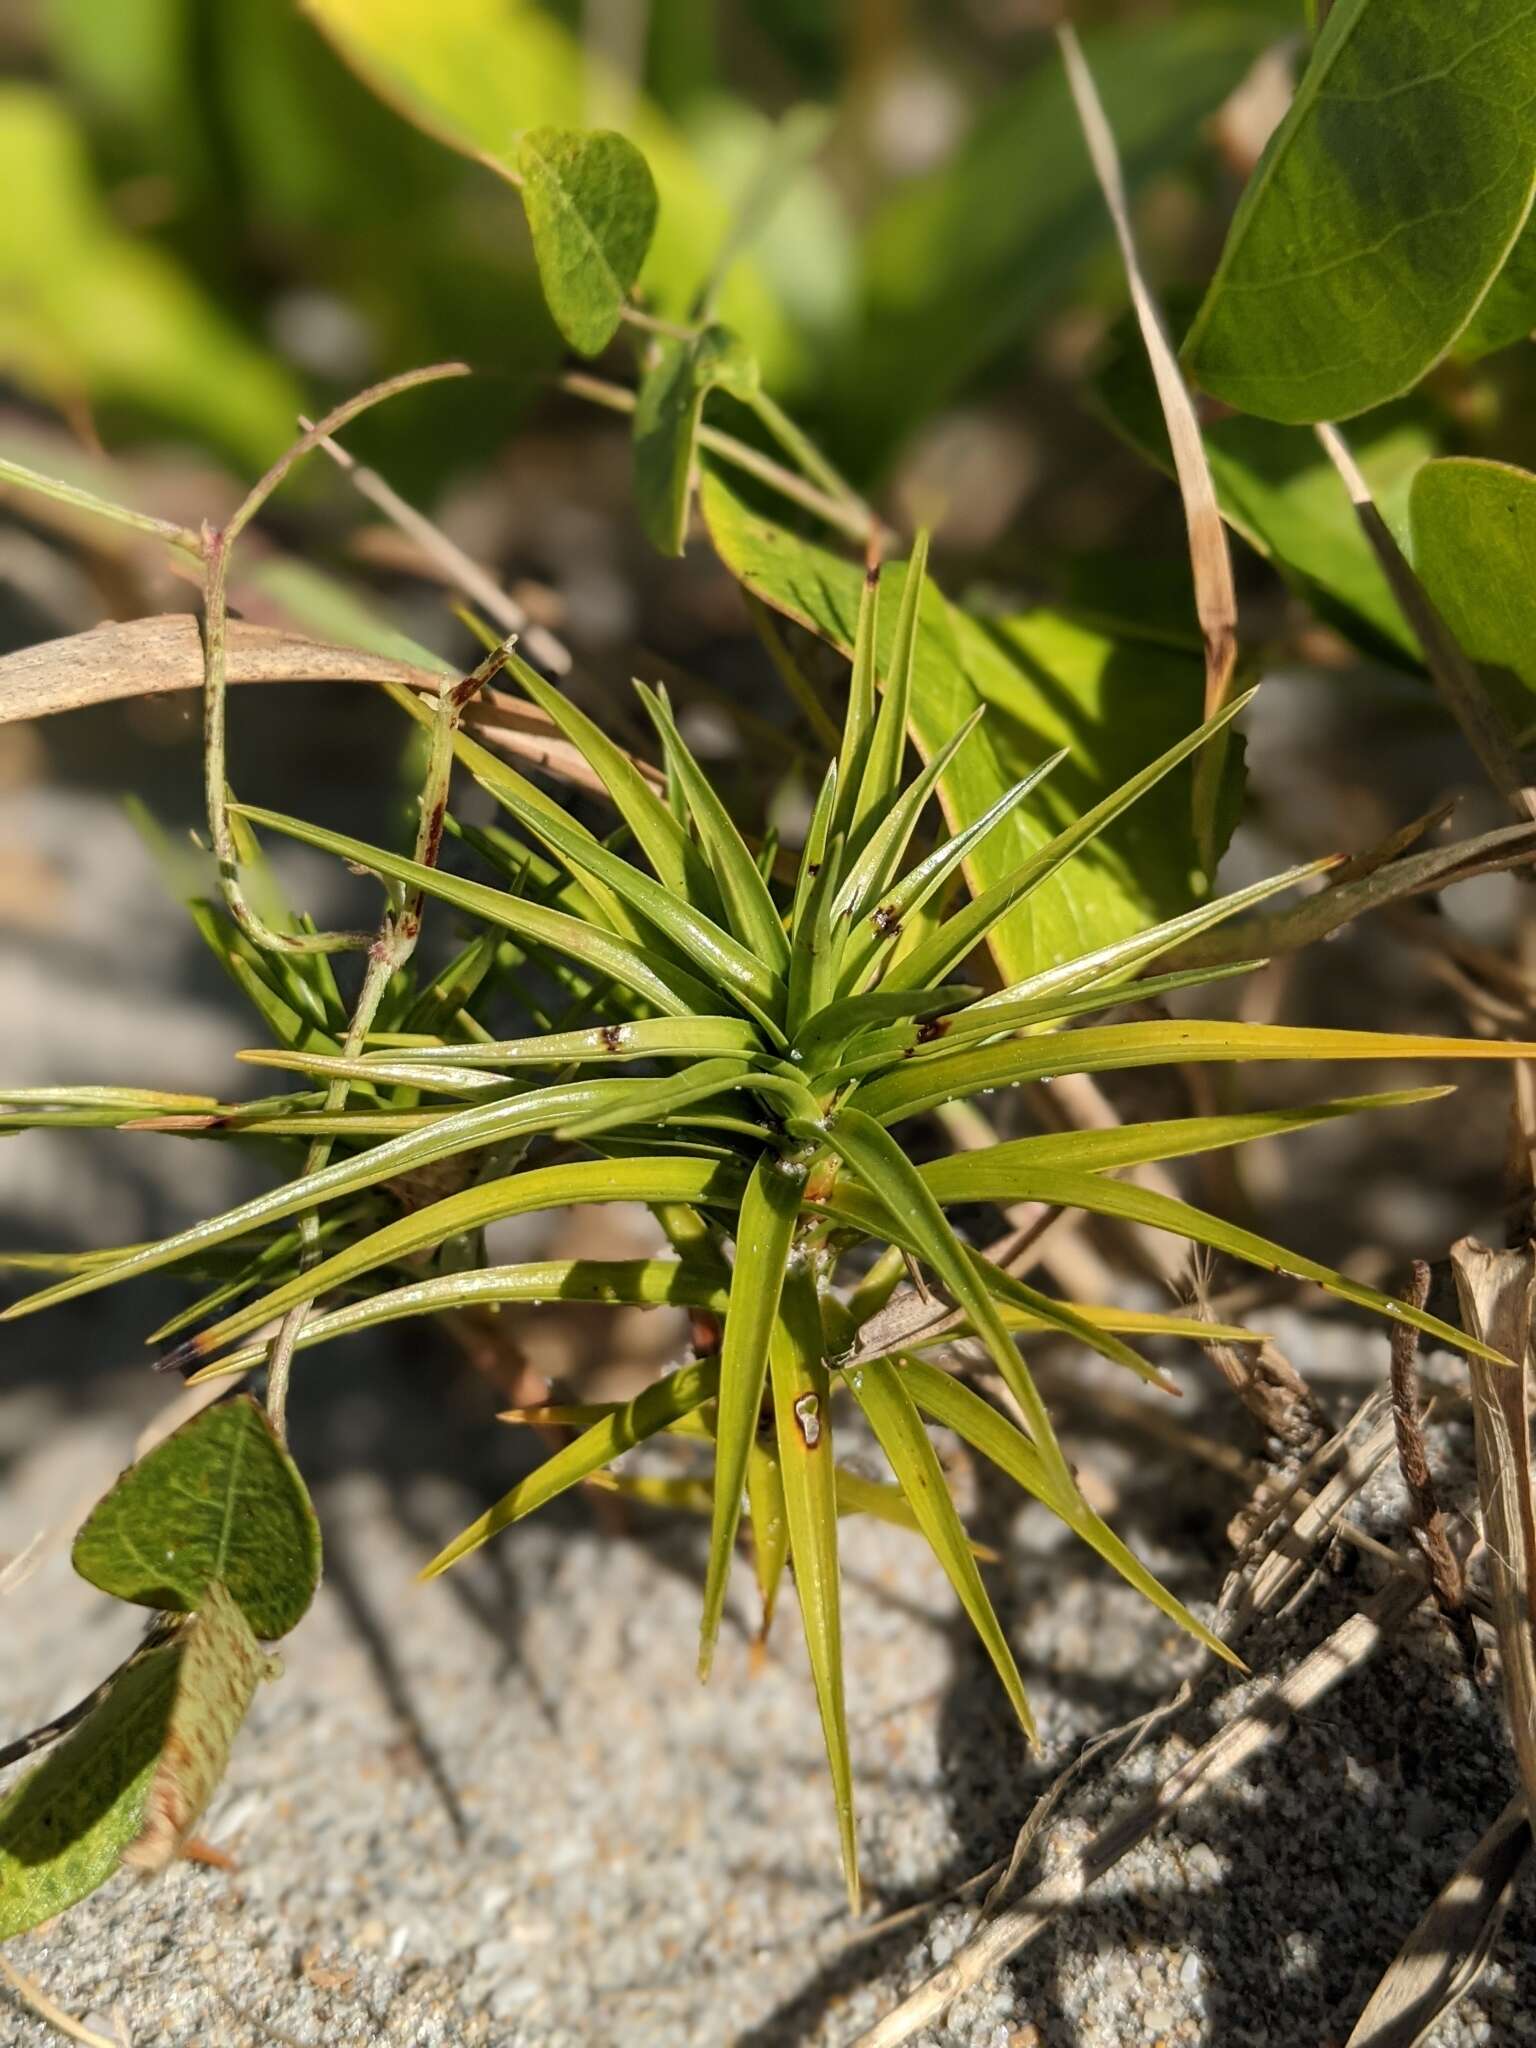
501,1810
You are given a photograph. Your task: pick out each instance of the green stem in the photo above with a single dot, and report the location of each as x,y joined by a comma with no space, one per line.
388,952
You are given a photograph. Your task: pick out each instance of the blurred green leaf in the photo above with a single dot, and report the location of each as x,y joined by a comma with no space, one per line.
1508,313
1277,488
1474,549
1047,681
220,1666
1382,209
475,73
65,1825
668,410
591,206
221,1499
86,310
963,260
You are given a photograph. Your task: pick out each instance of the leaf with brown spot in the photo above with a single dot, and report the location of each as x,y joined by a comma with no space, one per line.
220,1667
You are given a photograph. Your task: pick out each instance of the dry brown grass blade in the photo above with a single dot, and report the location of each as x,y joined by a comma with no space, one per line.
1455,677
1419,874
34,1995
1498,1292
1210,558
1265,1723
159,656
1445,1954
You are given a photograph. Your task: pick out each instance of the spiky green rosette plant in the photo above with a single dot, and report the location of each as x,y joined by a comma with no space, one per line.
746,1059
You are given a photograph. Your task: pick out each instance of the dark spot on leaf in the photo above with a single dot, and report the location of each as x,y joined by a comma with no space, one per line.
886,921
932,1028
611,1037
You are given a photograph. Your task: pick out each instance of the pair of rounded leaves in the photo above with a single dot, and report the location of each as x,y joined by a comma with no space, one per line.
214,1524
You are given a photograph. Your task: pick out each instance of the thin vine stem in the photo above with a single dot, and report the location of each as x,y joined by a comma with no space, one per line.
216,544
389,951
851,516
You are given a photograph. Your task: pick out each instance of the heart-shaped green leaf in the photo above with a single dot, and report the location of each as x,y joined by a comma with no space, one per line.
220,1499
591,206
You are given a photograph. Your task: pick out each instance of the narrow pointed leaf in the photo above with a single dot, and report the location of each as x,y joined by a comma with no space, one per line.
517,1194
647,815
650,1411
748,903
960,934
1104,1197
765,1234
884,1171
889,1410
923,1084
635,1283
869,876
649,975
636,1039
970,1417
881,775
770,1524
802,1405
645,1102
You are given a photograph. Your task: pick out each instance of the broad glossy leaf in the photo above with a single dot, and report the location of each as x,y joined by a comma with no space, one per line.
959,1409
888,1408
883,1171
1474,550
660,1404
653,976
669,408
1103,1048
517,1194
220,1666
1047,681
219,1499
591,206
634,1283
802,1406
1508,312
765,1232
65,1825
1383,207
